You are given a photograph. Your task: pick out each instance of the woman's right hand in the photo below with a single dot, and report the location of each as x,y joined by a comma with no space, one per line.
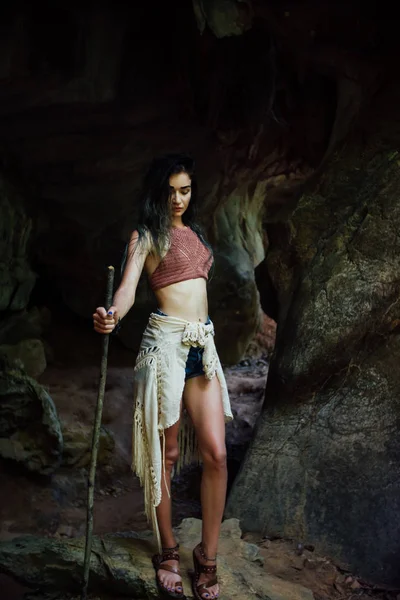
105,321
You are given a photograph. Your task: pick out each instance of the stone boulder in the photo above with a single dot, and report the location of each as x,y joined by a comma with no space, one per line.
121,565
29,353
78,444
324,466
30,432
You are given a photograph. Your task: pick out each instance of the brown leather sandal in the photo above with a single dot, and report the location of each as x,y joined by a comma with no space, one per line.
158,560
200,591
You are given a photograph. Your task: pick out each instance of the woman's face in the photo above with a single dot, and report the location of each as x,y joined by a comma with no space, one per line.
180,191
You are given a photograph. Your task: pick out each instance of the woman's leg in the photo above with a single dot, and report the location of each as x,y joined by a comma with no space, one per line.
203,402
163,510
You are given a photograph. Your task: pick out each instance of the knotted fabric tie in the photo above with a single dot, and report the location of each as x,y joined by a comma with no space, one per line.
201,335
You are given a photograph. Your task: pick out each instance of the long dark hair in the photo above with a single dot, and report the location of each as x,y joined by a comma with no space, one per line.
155,218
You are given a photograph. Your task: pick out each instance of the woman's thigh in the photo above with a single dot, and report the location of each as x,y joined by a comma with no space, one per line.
202,399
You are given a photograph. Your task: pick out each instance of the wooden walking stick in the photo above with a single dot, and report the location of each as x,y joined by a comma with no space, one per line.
95,442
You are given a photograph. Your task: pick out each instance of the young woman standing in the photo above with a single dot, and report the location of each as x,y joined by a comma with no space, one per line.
177,366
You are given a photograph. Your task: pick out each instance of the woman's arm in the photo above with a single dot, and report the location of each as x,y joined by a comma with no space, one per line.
124,297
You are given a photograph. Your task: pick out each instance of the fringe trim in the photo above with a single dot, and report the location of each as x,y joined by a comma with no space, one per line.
187,444
141,465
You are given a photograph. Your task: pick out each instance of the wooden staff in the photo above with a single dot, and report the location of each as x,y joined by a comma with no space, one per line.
95,441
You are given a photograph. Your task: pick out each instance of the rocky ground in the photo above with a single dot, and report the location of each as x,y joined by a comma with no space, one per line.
55,506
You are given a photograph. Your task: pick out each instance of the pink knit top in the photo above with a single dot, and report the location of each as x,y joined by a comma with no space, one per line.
187,258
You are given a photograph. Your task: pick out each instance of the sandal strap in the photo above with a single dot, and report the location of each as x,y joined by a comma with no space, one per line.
169,568
170,554
206,585
206,569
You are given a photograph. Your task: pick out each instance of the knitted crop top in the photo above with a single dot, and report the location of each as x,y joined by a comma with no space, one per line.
187,258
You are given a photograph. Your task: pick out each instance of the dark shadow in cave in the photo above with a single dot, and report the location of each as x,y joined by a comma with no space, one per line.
268,295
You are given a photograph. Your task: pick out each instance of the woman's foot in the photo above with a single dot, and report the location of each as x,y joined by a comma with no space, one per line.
168,576
206,586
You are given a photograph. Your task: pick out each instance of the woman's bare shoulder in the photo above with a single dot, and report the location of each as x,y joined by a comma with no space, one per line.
141,241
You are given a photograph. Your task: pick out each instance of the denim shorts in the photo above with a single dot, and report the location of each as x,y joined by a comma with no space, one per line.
194,363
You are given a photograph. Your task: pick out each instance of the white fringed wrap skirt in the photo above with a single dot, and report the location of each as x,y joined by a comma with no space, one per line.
159,379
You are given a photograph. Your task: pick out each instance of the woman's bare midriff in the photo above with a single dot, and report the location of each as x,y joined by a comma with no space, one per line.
186,300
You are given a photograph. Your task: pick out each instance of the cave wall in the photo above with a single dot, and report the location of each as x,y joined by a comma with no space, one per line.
328,442
16,275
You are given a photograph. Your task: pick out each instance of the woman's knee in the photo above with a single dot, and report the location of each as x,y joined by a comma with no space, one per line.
215,458
170,446
171,456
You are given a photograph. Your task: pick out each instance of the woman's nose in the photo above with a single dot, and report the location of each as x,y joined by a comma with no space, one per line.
177,198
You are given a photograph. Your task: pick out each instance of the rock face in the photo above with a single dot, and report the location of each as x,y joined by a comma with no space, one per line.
29,353
29,427
78,444
16,276
121,565
246,386
325,464
23,325
224,17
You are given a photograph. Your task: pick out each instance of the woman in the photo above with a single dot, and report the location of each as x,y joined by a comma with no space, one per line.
177,366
